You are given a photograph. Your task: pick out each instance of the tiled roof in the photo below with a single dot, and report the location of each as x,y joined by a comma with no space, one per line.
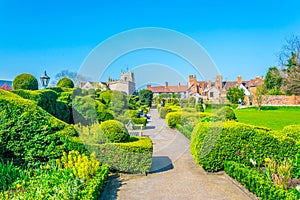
168,89
5,85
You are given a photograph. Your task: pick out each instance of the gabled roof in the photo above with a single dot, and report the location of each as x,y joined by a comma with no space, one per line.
5,85
168,89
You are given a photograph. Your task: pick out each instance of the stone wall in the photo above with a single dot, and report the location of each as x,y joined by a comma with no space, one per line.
283,100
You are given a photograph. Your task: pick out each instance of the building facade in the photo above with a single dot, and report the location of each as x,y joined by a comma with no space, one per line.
125,84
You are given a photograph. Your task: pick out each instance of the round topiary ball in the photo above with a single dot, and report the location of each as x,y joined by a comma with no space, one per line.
25,82
115,131
65,82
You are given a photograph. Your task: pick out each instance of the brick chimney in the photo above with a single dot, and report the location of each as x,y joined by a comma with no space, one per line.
257,79
209,84
166,84
218,83
239,79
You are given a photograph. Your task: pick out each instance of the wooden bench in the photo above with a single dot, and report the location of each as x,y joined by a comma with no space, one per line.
134,129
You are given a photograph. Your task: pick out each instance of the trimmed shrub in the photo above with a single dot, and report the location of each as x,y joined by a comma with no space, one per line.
257,183
130,157
173,118
115,131
162,112
140,120
25,82
214,143
65,83
28,134
225,113
92,189
131,114
292,131
47,99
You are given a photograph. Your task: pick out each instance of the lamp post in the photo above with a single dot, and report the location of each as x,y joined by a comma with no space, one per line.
45,80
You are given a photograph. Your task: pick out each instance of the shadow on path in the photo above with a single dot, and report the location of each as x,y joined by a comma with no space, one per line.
112,186
161,164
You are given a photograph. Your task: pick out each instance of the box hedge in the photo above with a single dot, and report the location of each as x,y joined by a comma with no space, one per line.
130,157
214,143
47,99
28,134
257,183
115,131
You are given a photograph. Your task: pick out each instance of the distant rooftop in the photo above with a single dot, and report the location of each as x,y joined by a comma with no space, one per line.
5,85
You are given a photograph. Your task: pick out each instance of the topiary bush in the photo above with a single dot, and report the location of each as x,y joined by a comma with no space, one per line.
139,120
47,99
134,156
115,131
162,112
173,118
29,135
257,183
214,143
225,113
25,82
65,83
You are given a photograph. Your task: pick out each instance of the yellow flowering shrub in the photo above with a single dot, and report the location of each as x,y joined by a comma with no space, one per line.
82,166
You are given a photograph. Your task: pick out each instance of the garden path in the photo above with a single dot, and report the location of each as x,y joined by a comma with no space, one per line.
174,173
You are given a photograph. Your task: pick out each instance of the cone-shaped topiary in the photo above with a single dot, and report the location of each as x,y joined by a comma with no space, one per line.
115,131
65,82
25,82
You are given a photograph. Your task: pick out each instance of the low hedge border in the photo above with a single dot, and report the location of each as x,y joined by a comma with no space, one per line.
92,189
132,157
257,183
214,143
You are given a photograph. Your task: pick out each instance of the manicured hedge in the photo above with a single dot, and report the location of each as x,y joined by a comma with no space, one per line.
28,134
214,143
65,82
25,82
162,112
92,189
115,131
292,131
173,118
130,157
257,183
47,99
140,120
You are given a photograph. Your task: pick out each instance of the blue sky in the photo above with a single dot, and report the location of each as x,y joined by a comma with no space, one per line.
242,37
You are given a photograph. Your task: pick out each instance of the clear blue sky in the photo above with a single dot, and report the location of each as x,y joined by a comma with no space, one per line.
242,37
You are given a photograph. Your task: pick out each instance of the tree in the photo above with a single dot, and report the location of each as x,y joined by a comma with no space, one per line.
292,81
25,82
259,95
290,50
273,80
235,94
65,82
145,97
76,78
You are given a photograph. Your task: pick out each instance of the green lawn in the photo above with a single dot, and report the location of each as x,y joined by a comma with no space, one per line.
272,117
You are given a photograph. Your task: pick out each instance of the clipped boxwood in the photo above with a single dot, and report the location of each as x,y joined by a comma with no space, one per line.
130,157
47,99
257,183
140,120
214,143
173,118
131,114
162,112
28,134
65,83
25,82
92,189
225,113
115,131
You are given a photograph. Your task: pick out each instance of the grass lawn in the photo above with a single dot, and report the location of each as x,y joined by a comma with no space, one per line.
272,117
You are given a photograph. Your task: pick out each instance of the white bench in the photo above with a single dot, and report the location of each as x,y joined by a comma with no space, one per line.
134,129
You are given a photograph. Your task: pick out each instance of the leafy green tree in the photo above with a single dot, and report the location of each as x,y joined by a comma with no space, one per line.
145,97
273,79
25,82
235,94
65,82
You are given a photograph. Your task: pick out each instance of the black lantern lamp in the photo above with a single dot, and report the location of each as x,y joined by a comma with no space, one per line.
45,80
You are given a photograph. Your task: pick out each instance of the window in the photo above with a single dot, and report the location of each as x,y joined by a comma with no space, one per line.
211,94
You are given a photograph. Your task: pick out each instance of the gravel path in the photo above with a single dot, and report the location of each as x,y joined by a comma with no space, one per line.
174,173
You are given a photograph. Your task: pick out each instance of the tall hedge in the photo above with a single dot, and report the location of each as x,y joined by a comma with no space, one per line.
48,100
25,82
65,83
28,134
214,143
